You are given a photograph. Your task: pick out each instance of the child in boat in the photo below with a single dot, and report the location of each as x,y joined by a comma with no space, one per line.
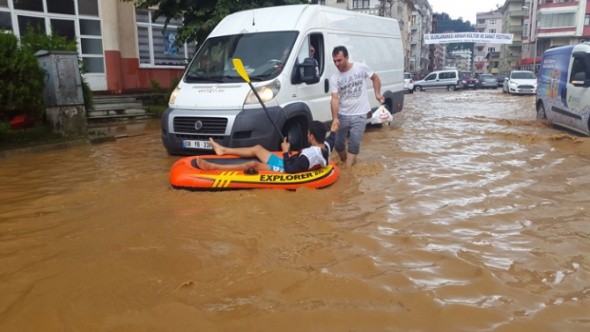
317,155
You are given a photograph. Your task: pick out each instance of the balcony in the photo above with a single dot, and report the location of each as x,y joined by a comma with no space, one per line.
515,28
518,13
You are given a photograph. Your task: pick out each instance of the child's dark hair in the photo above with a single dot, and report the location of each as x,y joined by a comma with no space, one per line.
318,131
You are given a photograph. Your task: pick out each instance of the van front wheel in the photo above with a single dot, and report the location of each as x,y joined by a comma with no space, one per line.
451,87
541,111
295,136
417,88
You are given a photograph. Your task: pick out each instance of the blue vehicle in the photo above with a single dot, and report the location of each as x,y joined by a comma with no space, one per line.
563,94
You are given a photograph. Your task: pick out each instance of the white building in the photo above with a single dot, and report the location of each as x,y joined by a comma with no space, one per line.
488,22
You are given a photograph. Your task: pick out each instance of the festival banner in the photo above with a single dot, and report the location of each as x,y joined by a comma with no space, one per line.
468,37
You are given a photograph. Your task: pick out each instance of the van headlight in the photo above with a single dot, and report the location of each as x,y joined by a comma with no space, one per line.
267,92
173,95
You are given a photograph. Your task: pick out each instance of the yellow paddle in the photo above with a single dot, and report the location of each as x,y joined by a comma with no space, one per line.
244,75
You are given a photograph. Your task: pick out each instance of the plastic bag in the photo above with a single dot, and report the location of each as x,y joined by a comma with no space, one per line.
381,115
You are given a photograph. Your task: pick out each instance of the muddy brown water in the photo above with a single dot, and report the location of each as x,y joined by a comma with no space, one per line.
467,214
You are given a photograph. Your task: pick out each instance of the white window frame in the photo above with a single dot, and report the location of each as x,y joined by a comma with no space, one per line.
149,26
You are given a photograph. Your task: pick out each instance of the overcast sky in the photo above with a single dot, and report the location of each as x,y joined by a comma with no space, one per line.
464,8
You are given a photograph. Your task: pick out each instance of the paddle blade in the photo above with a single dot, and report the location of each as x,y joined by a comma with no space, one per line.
240,69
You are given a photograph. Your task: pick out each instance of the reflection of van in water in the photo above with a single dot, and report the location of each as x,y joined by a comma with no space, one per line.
563,92
275,45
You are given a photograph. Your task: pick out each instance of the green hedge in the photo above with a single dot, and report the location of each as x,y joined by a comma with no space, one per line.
21,80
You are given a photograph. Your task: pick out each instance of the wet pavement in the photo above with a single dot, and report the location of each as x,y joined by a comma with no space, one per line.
467,214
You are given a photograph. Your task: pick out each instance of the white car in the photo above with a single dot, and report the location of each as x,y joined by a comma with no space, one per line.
521,82
408,83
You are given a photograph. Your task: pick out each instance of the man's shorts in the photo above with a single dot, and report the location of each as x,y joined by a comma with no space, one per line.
353,127
275,163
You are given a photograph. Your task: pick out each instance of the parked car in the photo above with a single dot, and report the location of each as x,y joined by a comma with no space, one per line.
446,79
408,83
522,82
500,78
468,80
487,81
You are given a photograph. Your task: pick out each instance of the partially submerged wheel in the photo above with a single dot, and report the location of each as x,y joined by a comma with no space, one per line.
451,88
417,88
541,111
295,136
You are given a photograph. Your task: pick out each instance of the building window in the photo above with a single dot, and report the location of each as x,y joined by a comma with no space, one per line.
32,5
60,18
492,21
5,22
558,20
587,19
358,4
492,31
157,46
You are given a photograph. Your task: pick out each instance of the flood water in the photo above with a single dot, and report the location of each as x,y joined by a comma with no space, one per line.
466,214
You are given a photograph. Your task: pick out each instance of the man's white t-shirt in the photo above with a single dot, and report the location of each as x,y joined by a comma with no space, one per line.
351,87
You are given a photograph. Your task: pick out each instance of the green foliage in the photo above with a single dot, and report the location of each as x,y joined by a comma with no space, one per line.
36,40
30,136
156,86
201,16
446,24
21,80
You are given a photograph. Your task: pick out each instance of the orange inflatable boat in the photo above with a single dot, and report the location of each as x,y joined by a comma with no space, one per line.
185,174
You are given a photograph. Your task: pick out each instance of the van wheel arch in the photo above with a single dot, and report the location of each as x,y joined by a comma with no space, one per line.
295,129
541,111
451,88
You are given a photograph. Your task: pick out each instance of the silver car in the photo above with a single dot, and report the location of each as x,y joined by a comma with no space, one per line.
442,79
487,81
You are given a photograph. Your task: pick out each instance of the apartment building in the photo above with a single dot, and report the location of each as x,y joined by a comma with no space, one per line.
420,24
552,23
485,59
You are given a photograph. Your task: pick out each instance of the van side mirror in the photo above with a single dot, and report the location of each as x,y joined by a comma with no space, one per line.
307,71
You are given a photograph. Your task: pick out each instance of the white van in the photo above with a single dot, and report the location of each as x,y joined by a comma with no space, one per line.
275,45
563,90
440,79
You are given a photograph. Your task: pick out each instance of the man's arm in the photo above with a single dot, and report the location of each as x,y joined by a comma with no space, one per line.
334,104
377,88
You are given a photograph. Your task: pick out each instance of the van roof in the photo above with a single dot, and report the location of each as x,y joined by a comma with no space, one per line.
302,18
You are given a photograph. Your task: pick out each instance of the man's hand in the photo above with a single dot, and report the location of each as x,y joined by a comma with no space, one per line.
335,125
379,98
285,146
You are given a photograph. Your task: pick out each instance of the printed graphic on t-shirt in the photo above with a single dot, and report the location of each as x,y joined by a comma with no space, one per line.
350,86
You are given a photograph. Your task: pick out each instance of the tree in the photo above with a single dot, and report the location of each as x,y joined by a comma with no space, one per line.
201,16
447,24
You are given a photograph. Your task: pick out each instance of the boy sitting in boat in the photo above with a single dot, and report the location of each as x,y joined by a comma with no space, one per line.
315,156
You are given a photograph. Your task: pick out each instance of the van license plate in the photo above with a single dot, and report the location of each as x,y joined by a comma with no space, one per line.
193,144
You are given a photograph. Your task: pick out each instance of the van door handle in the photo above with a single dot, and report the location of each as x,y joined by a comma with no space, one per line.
326,85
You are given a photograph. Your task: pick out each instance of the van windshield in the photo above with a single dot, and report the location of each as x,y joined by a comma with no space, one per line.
263,55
